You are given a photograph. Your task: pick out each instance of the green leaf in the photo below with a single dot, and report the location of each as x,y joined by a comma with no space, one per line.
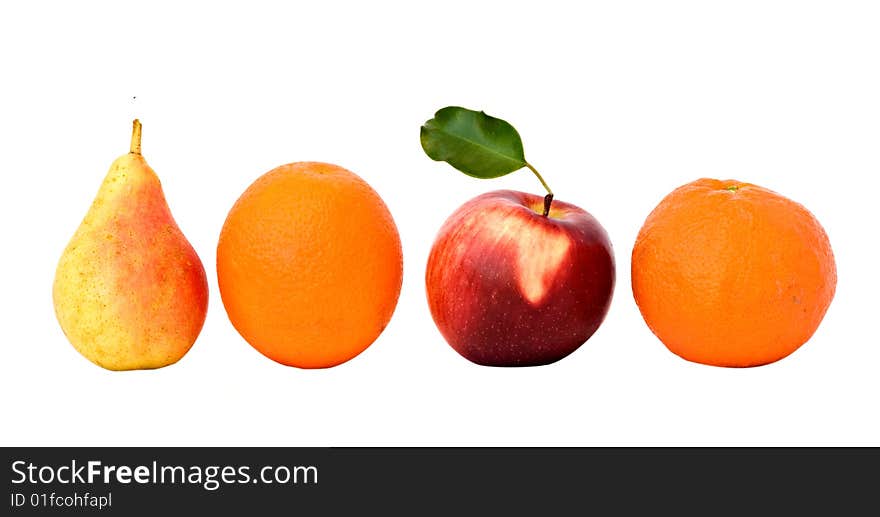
473,142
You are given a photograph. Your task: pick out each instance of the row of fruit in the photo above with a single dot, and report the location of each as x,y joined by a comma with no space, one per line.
309,265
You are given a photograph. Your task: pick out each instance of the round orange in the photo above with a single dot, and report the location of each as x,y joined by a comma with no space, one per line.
309,264
731,274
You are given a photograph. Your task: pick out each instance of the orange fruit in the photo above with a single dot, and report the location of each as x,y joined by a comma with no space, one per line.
309,265
731,274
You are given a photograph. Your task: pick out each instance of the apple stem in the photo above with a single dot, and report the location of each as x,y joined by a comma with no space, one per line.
548,199
136,137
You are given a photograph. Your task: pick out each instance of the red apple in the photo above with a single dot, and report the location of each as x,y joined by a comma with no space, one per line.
508,286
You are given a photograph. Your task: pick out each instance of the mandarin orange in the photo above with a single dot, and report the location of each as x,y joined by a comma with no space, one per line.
731,274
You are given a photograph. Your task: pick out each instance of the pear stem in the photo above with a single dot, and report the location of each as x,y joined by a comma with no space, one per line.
136,137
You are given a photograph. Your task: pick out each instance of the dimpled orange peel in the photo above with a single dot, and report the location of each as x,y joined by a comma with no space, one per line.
309,264
727,273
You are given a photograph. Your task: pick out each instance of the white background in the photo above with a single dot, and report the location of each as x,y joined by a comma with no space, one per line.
617,103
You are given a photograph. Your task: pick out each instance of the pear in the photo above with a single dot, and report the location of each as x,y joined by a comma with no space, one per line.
130,292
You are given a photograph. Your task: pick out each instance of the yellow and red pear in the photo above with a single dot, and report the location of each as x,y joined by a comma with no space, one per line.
130,291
